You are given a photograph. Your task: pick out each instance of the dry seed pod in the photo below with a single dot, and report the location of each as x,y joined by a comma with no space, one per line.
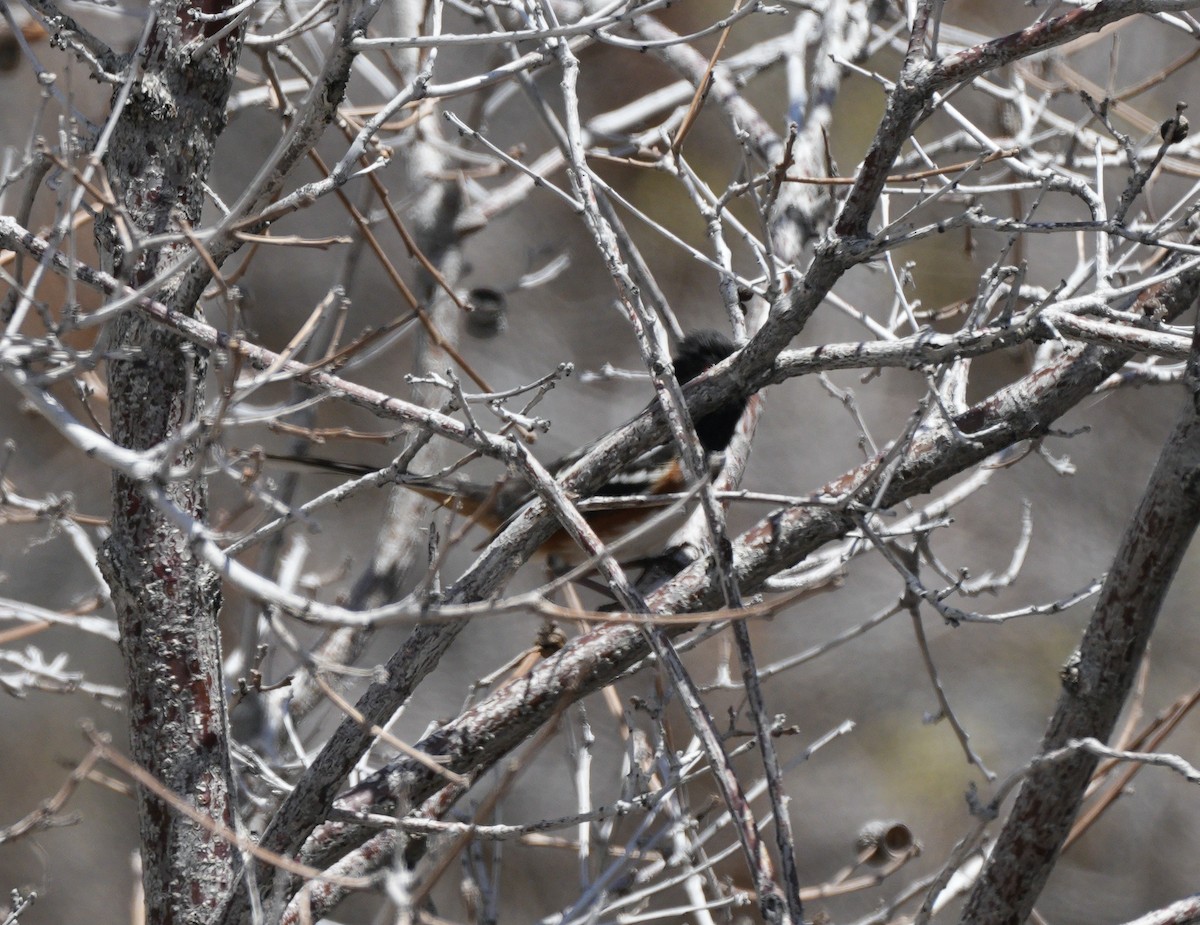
1174,130
489,313
881,841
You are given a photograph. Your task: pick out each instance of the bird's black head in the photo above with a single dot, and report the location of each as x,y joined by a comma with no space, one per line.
697,352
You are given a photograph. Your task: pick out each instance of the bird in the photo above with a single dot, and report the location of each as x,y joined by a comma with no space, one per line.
654,473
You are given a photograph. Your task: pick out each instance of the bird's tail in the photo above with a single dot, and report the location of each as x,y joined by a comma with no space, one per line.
460,495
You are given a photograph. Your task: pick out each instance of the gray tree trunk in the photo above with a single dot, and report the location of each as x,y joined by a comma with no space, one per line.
167,602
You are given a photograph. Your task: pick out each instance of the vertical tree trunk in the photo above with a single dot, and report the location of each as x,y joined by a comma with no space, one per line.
1151,550
167,602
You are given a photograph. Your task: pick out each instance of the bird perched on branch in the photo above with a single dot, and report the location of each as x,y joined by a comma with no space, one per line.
657,472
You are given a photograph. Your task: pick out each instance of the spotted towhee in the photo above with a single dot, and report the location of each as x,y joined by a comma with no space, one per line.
654,473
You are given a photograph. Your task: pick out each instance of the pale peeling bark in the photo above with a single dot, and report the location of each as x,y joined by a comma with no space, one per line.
166,600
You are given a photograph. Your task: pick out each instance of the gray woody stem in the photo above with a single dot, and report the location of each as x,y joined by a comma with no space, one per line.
1145,564
166,600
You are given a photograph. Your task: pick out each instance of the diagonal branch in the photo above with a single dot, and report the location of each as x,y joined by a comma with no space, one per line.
481,736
